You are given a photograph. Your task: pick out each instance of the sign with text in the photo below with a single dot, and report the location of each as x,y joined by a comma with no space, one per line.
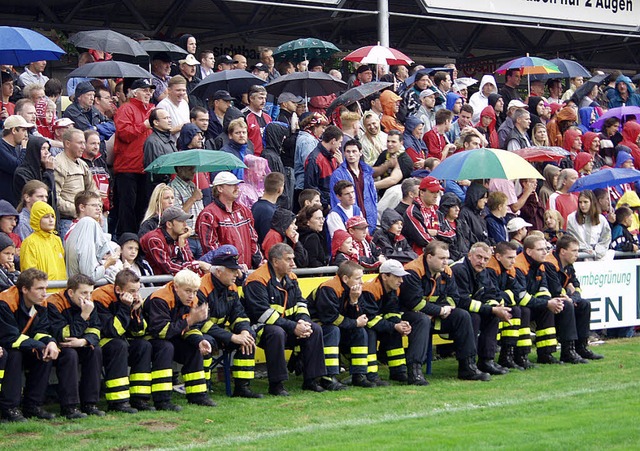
613,289
607,14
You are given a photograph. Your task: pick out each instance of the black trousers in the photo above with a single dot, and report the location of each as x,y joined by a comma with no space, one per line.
72,390
459,328
130,201
391,345
353,341
140,352
418,338
118,354
37,379
510,331
546,340
583,318
274,340
572,323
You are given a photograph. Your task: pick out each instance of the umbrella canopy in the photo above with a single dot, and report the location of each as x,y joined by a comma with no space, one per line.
110,69
152,46
606,178
485,164
539,154
378,54
529,65
620,112
567,68
587,87
20,46
204,160
306,84
304,48
107,41
357,93
236,81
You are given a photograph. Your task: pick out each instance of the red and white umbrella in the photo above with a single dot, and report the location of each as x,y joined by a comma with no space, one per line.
379,55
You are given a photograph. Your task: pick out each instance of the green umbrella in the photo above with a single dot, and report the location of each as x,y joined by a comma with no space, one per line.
204,160
303,49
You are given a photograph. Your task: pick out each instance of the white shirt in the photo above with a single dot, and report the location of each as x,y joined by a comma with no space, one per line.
334,221
179,113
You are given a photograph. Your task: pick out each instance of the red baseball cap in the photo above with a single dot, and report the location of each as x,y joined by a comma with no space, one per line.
431,184
356,222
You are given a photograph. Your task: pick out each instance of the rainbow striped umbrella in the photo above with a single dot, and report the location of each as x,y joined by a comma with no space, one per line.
485,164
530,65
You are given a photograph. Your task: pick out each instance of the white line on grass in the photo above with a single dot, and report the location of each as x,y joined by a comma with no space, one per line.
248,438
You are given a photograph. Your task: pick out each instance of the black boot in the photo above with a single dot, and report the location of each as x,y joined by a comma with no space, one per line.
242,390
277,389
331,383
467,370
399,374
506,358
415,376
568,353
360,380
582,348
522,358
546,357
375,379
13,415
491,367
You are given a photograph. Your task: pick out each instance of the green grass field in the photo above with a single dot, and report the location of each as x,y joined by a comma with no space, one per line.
594,406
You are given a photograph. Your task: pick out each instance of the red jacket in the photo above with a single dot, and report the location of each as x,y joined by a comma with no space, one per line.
255,130
131,133
435,142
164,254
217,226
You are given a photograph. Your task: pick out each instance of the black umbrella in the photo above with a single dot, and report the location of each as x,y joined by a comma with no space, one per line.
306,84
107,41
236,81
587,86
152,46
356,94
110,69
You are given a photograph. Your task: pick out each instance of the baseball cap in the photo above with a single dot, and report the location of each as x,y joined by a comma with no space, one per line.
190,60
260,66
431,184
174,213
16,121
363,68
430,91
226,59
226,255
161,56
225,178
221,94
84,88
289,97
63,122
393,267
516,224
515,103
142,83
356,222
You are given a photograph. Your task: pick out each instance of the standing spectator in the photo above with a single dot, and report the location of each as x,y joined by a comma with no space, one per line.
256,119
496,222
132,129
6,93
480,99
436,140
373,141
475,225
218,106
624,93
421,218
390,105
38,165
99,170
207,63
322,162
188,68
518,138
33,73
237,144
312,126
176,104
509,90
263,209
84,115
157,144
161,71
562,200
11,155
188,197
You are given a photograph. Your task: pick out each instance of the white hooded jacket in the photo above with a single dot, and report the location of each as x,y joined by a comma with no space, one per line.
478,100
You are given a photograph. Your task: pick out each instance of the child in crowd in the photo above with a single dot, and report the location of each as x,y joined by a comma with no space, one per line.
389,239
342,248
8,273
131,256
517,229
369,255
553,223
111,271
9,218
621,238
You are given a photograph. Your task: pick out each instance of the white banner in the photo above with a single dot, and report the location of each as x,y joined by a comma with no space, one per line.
601,14
612,288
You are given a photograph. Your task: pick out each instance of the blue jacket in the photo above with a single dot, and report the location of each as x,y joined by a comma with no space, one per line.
370,206
615,100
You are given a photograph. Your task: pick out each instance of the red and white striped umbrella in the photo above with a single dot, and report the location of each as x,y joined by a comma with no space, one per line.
378,54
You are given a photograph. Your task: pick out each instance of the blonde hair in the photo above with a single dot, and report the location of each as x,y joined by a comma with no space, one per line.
186,278
237,123
558,217
155,201
348,118
29,189
533,135
536,233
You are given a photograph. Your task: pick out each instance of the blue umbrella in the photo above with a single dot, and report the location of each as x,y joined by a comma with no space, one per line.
606,178
20,46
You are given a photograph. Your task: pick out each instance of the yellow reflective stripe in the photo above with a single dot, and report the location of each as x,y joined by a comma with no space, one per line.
207,362
374,321
163,332
193,332
515,321
359,350
105,341
117,325
359,362
509,293
92,330
578,290
474,306
165,386
331,349
339,320
395,352
277,308
207,325
331,362
140,390
524,343
188,377
510,333
493,302
372,357
273,318
543,292
66,331
525,300
40,336
238,321
140,377
1,373
563,292
547,331
244,362
290,311
161,373
544,343
191,389
392,315
372,369
116,382
16,344
420,305
398,362
117,396
243,374
525,331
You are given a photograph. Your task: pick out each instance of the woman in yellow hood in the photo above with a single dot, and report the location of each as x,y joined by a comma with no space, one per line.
43,248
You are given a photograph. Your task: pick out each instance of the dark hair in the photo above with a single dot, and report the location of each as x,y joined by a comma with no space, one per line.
89,132
434,245
353,142
503,246
467,108
102,88
124,277
205,52
443,116
594,209
340,186
153,116
608,122
510,72
27,278
79,279
565,241
306,195
53,87
83,197
330,133
305,214
195,110
397,133
439,77
273,182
